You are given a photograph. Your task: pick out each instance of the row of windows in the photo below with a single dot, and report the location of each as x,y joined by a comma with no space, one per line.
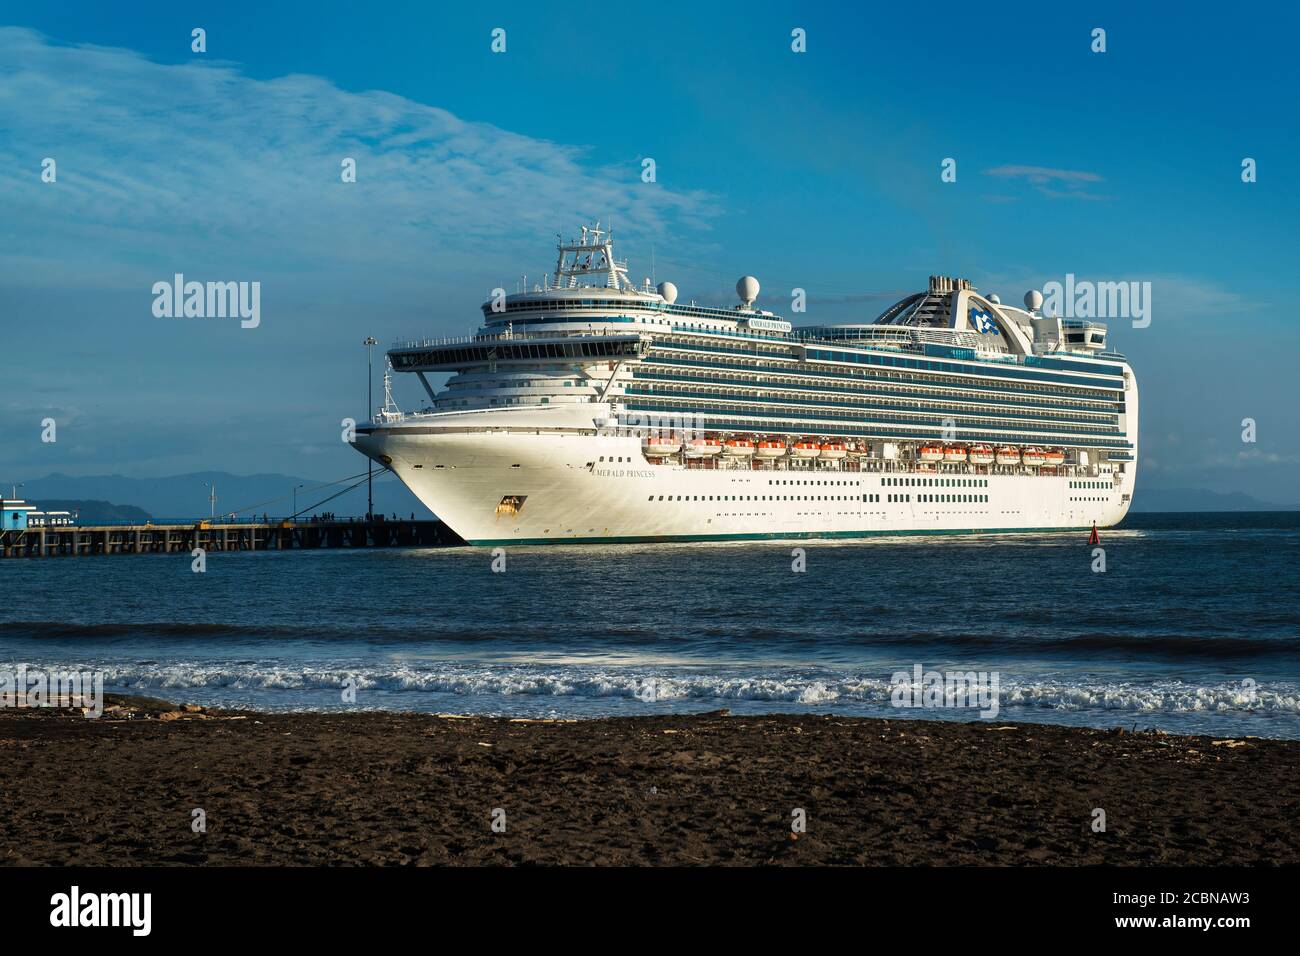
938,482
575,305
901,427
968,422
765,498
477,383
452,356
1090,484
894,498
1107,422
523,326
897,498
809,481
1000,369
938,366
886,376
941,499
887,390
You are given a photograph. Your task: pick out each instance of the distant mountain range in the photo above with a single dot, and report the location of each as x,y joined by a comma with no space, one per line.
96,512
1198,499
186,496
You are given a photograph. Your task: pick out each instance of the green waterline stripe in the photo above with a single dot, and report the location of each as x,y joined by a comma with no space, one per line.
767,536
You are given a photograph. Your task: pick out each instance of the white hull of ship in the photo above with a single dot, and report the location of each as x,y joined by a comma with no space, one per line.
576,487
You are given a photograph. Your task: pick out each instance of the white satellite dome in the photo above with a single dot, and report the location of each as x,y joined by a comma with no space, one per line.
1033,300
993,297
747,289
668,291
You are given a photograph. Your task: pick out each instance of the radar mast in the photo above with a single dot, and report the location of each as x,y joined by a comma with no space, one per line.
590,254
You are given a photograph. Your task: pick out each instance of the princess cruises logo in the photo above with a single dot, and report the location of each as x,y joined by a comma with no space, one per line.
982,320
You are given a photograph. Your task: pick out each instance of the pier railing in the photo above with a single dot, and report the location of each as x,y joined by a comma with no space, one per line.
215,536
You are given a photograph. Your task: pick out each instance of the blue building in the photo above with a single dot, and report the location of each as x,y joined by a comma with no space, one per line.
13,514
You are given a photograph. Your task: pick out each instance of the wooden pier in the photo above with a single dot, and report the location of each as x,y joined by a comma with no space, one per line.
72,541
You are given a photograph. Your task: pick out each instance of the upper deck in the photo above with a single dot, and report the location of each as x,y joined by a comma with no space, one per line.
947,357
590,298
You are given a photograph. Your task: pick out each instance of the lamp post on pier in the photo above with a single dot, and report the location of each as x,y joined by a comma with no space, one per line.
369,343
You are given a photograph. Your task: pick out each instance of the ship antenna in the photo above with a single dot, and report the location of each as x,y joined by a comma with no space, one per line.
389,405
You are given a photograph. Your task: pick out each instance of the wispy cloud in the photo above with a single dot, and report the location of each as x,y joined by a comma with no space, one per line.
1040,175
201,169
196,162
1055,183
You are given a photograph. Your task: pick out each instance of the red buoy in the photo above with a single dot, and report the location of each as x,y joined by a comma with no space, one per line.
1093,538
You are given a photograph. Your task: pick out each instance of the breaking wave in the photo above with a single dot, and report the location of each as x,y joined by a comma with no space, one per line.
490,687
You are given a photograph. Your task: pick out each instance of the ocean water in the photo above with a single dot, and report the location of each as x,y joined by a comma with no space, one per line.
1193,627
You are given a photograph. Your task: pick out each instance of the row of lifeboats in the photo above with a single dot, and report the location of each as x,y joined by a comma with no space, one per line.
1032,456
664,445
744,448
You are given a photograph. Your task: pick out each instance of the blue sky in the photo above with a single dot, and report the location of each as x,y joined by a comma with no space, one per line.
817,170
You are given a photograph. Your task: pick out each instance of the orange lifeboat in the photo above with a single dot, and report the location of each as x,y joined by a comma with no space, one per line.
738,448
981,455
1054,458
931,453
771,449
1033,457
834,450
662,445
703,447
1007,455
954,453
806,449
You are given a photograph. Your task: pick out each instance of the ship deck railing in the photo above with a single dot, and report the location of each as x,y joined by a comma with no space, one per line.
504,337
905,339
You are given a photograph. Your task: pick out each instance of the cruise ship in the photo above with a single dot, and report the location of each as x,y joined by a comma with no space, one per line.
588,408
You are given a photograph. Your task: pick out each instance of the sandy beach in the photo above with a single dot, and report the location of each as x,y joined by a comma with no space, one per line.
713,789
